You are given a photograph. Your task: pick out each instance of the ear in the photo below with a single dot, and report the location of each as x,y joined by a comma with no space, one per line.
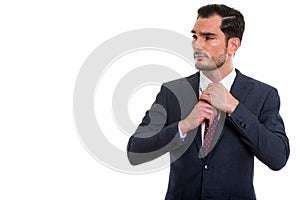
233,45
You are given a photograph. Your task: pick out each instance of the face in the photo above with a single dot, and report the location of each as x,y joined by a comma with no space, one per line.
209,43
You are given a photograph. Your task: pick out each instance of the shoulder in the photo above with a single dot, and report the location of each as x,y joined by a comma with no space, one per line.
190,80
184,89
257,84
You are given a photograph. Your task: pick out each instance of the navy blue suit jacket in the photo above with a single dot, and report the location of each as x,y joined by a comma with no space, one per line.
255,128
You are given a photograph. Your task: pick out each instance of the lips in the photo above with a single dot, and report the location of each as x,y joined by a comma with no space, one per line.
200,55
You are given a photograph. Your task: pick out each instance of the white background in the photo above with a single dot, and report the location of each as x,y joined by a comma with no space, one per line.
43,45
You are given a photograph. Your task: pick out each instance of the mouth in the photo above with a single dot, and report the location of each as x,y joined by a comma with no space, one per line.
199,56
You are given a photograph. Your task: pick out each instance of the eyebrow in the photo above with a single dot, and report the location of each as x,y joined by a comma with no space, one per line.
204,33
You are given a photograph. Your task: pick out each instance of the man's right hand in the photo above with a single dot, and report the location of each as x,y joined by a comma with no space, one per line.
202,111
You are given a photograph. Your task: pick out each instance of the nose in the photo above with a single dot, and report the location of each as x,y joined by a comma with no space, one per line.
197,43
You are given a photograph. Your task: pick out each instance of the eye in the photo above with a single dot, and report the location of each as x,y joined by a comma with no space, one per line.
194,37
209,38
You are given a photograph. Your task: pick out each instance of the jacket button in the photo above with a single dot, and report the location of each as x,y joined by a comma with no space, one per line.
206,167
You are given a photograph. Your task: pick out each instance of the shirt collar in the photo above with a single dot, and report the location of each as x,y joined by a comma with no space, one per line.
227,81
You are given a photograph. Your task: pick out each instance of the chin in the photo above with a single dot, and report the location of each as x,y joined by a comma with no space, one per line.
202,67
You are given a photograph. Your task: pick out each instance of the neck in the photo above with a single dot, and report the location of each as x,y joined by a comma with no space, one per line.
218,74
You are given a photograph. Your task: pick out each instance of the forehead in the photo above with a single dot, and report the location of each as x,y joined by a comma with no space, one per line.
211,24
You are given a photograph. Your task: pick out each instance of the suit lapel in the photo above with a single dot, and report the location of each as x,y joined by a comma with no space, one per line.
194,81
241,86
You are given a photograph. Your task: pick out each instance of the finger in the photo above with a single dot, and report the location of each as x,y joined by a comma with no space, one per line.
208,118
208,113
204,103
205,97
206,107
206,91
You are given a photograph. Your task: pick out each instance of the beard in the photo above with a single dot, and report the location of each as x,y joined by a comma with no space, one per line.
209,64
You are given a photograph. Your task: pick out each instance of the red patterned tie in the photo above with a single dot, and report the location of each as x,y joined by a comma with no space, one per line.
209,133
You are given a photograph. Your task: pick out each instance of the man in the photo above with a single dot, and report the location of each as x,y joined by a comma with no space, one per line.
213,132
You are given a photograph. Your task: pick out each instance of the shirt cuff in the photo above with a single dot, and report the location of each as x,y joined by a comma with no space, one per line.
182,136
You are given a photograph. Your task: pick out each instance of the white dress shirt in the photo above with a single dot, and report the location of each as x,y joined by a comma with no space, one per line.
227,81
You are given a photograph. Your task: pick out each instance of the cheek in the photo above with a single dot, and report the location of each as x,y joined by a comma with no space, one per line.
213,51
217,49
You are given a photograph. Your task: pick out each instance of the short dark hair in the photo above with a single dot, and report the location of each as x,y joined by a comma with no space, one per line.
233,24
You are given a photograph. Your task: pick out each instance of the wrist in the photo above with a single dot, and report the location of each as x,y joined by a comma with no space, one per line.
183,127
232,106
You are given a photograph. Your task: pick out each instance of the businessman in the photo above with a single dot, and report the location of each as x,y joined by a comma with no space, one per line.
213,123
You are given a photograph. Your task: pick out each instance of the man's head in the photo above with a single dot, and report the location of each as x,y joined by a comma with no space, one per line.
217,35
233,24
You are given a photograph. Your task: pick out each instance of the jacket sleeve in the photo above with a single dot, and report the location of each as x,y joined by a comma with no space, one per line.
156,135
264,135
